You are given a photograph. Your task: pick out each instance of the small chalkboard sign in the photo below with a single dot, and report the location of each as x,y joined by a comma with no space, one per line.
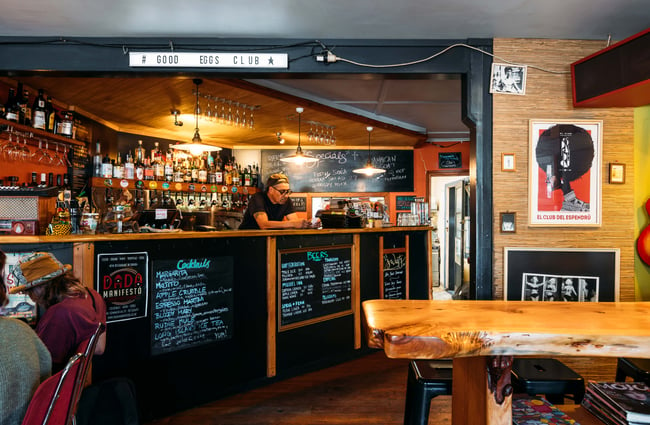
403,203
315,284
450,160
192,302
394,274
299,203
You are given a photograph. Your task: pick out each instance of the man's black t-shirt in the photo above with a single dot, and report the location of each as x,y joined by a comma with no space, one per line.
260,202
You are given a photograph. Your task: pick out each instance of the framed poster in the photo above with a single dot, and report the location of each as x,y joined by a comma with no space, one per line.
508,222
564,274
564,178
616,173
508,79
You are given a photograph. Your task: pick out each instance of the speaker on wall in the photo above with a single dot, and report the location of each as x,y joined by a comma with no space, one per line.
616,76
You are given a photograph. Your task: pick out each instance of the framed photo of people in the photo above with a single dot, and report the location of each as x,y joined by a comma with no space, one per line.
508,79
565,274
564,175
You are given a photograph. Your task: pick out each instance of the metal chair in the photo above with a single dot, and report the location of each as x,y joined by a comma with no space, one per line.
637,369
426,380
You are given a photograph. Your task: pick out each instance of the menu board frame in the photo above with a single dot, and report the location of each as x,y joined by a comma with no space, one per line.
383,253
321,318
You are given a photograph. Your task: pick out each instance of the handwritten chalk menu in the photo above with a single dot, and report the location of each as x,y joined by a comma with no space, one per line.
315,285
333,171
450,160
394,274
192,302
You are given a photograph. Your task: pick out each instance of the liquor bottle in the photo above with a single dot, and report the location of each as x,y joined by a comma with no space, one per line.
118,168
39,112
235,175
255,176
169,165
218,173
12,109
19,101
148,170
194,171
129,166
155,152
203,172
97,160
140,154
50,114
139,171
247,176
27,109
107,167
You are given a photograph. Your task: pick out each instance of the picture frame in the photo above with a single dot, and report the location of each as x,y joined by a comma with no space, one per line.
564,175
506,78
508,222
616,173
508,162
562,274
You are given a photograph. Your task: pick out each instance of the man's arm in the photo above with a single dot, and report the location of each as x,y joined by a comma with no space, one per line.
290,221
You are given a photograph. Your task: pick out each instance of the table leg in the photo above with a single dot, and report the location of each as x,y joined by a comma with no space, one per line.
481,391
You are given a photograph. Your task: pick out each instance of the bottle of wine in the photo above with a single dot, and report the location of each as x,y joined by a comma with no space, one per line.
12,109
129,166
50,114
169,165
203,172
39,112
97,161
107,167
27,109
140,154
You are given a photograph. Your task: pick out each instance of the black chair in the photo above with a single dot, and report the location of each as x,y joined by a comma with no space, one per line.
637,369
426,380
548,377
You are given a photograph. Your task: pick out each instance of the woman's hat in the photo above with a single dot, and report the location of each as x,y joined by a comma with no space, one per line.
35,269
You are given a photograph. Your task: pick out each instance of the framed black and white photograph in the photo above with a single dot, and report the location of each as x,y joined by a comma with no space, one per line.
508,79
567,274
508,222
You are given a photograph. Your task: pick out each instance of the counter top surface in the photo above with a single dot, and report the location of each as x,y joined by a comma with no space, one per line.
439,329
191,234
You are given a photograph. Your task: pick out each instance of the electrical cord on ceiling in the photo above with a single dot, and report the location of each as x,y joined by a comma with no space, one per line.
330,57
445,146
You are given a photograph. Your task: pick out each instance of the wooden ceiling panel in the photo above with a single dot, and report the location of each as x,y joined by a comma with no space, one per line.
144,105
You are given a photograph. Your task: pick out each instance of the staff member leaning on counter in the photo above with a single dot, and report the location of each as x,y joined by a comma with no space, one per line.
273,209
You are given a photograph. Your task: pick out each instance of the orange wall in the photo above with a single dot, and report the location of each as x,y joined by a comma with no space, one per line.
425,159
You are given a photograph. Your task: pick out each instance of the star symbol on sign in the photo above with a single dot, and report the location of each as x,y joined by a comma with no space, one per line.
270,61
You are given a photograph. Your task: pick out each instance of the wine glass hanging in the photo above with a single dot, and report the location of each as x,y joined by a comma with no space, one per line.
229,112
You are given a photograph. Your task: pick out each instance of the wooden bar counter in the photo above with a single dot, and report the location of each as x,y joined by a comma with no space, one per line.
208,314
482,337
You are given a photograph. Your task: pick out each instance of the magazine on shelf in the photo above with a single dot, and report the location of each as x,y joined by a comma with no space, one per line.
601,411
528,410
630,400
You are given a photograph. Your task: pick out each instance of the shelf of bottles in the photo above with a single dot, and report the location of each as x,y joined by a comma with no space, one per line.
175,171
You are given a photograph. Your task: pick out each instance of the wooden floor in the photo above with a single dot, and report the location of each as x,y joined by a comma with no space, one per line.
368,391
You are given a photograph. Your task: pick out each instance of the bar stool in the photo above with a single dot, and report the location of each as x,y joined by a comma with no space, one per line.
426,380
637,369
549,377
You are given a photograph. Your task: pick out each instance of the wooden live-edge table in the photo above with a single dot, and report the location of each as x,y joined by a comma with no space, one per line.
482,337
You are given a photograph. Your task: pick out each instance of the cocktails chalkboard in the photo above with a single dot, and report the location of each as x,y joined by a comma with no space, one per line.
333,171
315,284
192,302
394,274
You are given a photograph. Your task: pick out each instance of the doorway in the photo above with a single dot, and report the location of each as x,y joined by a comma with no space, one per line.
450,202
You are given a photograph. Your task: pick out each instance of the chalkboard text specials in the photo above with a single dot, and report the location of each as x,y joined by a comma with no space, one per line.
192,302
394,270
333,171
315,285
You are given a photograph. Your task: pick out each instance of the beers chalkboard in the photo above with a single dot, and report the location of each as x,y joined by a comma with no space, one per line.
192,302
333,171
394,274
315,284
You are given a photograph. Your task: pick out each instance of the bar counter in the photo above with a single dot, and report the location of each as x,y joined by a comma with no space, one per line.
215,313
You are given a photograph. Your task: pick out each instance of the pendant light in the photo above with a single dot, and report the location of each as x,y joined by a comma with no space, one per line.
299,157
369,170
196,147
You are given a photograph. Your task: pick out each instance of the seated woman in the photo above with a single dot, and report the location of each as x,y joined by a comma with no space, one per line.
72,310
25,362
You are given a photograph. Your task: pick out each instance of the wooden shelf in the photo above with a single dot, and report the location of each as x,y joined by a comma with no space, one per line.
25,129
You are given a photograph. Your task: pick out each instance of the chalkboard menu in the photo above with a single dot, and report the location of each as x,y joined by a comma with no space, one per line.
333,171
394,274
403,203
315,285
299,203
192,302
